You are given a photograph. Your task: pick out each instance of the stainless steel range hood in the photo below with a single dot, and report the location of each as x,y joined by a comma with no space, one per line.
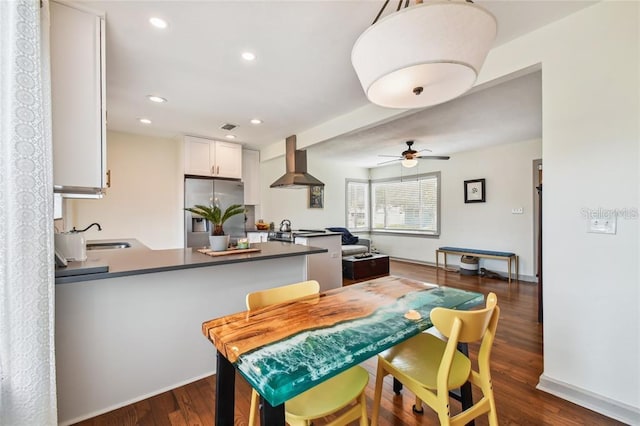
296,175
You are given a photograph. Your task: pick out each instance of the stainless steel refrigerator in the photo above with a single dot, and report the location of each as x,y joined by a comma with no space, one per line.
209,191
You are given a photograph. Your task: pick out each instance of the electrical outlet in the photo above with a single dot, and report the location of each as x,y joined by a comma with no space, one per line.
602,226
517,210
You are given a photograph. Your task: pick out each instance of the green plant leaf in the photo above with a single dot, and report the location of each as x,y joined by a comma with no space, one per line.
214,214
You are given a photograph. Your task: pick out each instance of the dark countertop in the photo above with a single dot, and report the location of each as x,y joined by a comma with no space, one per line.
316,234
139,259
307,233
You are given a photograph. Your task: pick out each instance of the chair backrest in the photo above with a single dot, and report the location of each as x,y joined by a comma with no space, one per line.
467,326
473,324
271,296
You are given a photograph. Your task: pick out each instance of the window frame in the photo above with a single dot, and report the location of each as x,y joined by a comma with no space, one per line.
400,179
366,228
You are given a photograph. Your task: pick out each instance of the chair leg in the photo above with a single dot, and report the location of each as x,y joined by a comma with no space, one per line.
378,393
493,414
443,408
253,409
445,420
417,407
363,407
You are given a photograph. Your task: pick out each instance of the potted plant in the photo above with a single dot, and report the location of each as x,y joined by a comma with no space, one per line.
214,214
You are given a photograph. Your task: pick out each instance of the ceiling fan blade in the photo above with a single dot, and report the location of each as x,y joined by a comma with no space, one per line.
428,150
390,161
436,157
391,156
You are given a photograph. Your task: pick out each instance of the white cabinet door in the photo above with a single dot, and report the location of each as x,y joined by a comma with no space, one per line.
228,159
78,100
206,157
251,176
196,157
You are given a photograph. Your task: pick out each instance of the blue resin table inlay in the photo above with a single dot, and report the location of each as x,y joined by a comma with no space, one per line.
286,368
370,318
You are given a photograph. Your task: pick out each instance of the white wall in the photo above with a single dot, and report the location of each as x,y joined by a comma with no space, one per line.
490,225
590,87
281,203
146,194
590,145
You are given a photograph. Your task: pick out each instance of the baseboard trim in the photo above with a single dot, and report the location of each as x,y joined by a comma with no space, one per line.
417,262
598,403
134,400
526,278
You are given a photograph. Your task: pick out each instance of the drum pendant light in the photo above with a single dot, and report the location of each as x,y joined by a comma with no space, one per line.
425,54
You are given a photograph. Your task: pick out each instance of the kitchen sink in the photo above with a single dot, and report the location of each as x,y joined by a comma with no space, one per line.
108,246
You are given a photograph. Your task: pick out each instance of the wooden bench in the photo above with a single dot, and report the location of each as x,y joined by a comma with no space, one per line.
488,254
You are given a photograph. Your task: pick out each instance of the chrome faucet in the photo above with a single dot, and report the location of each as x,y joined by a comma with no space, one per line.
82,230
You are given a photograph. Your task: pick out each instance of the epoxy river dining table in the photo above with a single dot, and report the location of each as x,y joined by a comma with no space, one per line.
285,349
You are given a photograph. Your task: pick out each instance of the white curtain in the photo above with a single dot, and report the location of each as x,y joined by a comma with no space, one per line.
27,363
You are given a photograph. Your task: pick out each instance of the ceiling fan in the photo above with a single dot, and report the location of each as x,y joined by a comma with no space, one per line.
410,156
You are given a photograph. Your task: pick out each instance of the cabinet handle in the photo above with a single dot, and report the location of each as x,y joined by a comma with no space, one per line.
213,170
218,170
109,178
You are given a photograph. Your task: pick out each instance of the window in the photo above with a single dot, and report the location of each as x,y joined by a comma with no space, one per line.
357,205
395,205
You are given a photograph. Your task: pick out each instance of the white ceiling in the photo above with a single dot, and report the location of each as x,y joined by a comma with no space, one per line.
302,76
507,112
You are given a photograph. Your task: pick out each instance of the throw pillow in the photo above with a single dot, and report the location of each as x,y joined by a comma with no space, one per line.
347,237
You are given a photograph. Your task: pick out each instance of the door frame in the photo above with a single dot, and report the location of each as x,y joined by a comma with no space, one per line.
537,231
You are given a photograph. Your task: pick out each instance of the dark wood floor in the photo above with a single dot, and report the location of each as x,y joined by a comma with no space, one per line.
516,366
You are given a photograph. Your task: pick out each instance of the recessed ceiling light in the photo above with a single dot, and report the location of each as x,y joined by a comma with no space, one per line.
158,22
248,56
156,99
144,120
256,121
230,137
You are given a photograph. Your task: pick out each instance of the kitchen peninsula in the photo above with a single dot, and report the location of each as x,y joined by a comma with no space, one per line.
134,331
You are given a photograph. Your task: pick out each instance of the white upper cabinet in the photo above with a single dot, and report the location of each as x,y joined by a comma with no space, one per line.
196,157
205,157
227,157
78,101
251,177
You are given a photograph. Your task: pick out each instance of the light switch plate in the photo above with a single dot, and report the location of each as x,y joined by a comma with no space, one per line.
602,226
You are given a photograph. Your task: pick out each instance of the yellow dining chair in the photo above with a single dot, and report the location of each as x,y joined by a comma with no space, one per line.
325,398
431,367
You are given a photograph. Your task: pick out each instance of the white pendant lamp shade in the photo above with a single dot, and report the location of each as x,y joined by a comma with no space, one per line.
423,55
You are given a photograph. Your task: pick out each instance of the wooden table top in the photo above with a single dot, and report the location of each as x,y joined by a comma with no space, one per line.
285,349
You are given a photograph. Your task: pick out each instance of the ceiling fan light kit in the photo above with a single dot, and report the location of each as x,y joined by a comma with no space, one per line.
425,54
408,163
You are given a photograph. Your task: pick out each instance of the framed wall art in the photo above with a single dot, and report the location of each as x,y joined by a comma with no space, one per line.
474,191
316,197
